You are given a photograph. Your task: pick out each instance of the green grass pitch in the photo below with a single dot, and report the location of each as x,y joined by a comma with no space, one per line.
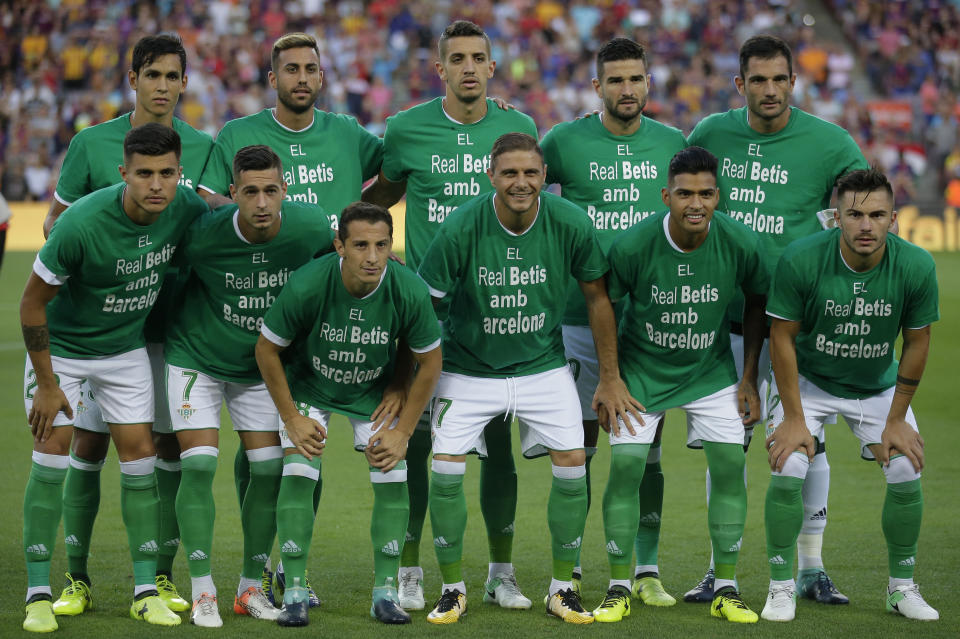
341,564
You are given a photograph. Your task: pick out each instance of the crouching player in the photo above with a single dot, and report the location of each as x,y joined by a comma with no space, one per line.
680,269
83,310
240,256
839,300
346,314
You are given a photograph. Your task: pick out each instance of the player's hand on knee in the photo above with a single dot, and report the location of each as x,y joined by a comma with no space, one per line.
899,437
748,402
307,435
386,448
791,435
389,408
48,401
614,396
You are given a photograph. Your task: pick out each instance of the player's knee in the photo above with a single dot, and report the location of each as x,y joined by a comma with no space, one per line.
89,445
900,470
167,446
568,458
796,465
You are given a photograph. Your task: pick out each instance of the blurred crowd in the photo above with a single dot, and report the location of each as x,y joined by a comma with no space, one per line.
63,66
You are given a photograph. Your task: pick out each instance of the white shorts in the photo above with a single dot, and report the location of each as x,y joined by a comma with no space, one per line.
90,418
866,417
713,418
545,404
362,429
122,384
581,354
195,399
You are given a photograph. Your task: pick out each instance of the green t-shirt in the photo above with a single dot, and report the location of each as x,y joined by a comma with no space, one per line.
232,284
615,178
110,271
674,339
444,163
325,164
95,153
507,292
342,349
849,321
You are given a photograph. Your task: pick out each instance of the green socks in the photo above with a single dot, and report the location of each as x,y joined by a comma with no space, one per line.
902,514
498,490
196,508
241,474
388,521
783,518
448,517
295,513
418,484
647,542
727,511
140,508
621,509
258,515
81,501
566,517
168,483
42,503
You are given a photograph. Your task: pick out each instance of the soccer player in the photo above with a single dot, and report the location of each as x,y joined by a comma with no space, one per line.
326,157
158,76
239,258
346,313
838,302
438,152
679,271
83,312
503,261
778,167
615,174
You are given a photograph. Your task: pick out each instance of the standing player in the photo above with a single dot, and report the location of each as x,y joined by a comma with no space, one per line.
95,290
438,152
346,313
158,76
615,175
327,158
838,302
680,270
239,257
778,167
503,261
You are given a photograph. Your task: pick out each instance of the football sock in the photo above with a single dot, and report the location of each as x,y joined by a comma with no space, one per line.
196,507
168,483
42,504
295,513
241,473
646,544
388,521
566,517
81,501
783,516
590,452
140,508
258,515
727,511
621,508
448,516
498,490
816,488
902,514
418,486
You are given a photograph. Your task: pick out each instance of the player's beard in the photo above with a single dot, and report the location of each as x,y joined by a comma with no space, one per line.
612,109
286,99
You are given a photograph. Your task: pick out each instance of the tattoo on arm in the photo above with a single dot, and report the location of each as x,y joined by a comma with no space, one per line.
907,381
36,338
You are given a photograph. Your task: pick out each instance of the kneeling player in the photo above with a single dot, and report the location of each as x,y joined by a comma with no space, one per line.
680,270
838,302
95,281
239,257
346,315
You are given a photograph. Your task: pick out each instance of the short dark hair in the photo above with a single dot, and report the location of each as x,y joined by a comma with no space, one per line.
153,139
363,212
620,49
765,47
461,29
149,48
864,181
257,157
693,159
514,142
292,41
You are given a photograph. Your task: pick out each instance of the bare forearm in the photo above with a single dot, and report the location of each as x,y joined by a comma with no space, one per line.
913,360
783,354
421,390
214,200
56,208
754,323
603,325
383,192
271,369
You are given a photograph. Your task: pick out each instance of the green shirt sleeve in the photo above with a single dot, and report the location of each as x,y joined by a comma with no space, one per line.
393,167
440,268
619,277
756,279
74,180
588,263
62,253
370,149
923,305
552,158
216,175
287,317
787,295
422,330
